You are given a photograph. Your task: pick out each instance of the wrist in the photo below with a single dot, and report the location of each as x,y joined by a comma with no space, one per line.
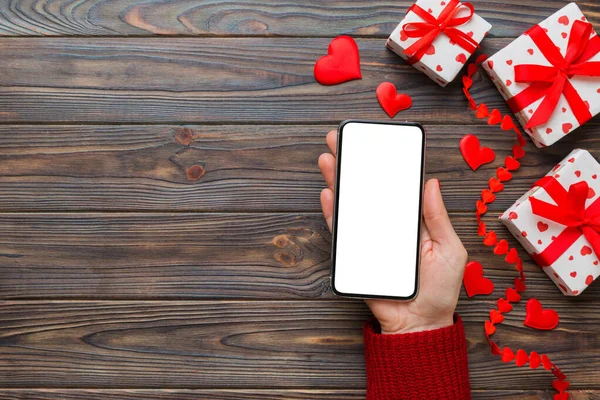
418,325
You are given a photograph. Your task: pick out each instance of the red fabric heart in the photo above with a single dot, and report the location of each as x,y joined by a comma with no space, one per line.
487,196
521,358
546,362
538,318
504,306
495,117
512,295
534,360
507,123
496,317
474,154
481,229
495,185
560,386
490,329
511,164
481,207
490,239
392,102
561,396
474,281
482,111
518,152
520,285
503,174
501,247
512,256
342,64
507,354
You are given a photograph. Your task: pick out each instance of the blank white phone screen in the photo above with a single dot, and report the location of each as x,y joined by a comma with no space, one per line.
378,210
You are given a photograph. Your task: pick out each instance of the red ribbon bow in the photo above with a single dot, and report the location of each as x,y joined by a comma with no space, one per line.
569,211
430,29
552,81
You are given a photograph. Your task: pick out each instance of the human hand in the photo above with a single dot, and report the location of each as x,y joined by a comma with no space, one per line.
443,259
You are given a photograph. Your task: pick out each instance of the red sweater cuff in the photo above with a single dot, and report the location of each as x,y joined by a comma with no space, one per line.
422,365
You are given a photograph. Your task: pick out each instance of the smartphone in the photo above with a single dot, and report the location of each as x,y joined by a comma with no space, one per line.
377,210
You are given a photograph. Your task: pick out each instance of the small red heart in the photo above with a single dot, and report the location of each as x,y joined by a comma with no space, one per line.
501,247
342,64
589,280
534,360
473,153
594,176
571,258
443,3
430,11
509,62
542,227
512,215
508,124
520,285
530,51
507,355
521,358
512,295
491,66
548,130
546,362
461,58
487,196
564,35
490,329
439,68
566,127
571,160
564,109
511,164
504,306
577,173
573,274
481,207
596,262
482,111
508,82
430,50
495,185
392,102
495,117
518,151
564,20
586,250
538,318
561,396
496,317
503,174
560,386
481,228
490,239
474,281
512,256
557,166
524,233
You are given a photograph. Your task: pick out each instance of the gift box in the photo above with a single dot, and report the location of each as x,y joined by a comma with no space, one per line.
438,37
558,222
550,76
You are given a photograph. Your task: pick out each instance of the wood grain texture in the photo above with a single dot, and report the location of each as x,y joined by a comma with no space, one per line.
196,345
215,80
254,394
246,17
187,256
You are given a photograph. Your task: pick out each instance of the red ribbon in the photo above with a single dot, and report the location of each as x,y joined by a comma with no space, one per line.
430,29
569,211
552,81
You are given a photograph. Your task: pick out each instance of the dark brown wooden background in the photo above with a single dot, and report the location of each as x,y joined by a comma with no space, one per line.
160,234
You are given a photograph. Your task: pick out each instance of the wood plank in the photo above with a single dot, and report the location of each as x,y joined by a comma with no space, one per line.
188,256
216,80
225,167
269,17
253,394
218,345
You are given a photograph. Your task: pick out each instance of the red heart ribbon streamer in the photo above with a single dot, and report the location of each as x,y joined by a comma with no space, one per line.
432,27
570,211
552,81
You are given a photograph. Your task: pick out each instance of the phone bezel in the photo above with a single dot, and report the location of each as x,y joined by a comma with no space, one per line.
336,203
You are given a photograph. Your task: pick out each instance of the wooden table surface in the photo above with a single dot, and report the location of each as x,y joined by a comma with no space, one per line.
160,226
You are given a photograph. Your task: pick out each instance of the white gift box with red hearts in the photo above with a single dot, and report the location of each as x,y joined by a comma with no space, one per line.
525,51
444,58
574,266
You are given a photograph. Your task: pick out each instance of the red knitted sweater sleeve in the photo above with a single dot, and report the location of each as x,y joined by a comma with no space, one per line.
423,365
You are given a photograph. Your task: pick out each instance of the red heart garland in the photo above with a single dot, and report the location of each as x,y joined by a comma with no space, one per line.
538,318
474,154
342,64
474,281
389,99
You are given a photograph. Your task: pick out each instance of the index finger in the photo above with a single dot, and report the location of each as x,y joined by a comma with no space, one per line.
331,140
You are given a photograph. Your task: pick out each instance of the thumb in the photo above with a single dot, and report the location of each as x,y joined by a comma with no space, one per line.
435,214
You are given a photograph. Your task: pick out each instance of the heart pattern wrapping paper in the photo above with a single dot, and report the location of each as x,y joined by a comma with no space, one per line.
575,268
524,51
444,58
